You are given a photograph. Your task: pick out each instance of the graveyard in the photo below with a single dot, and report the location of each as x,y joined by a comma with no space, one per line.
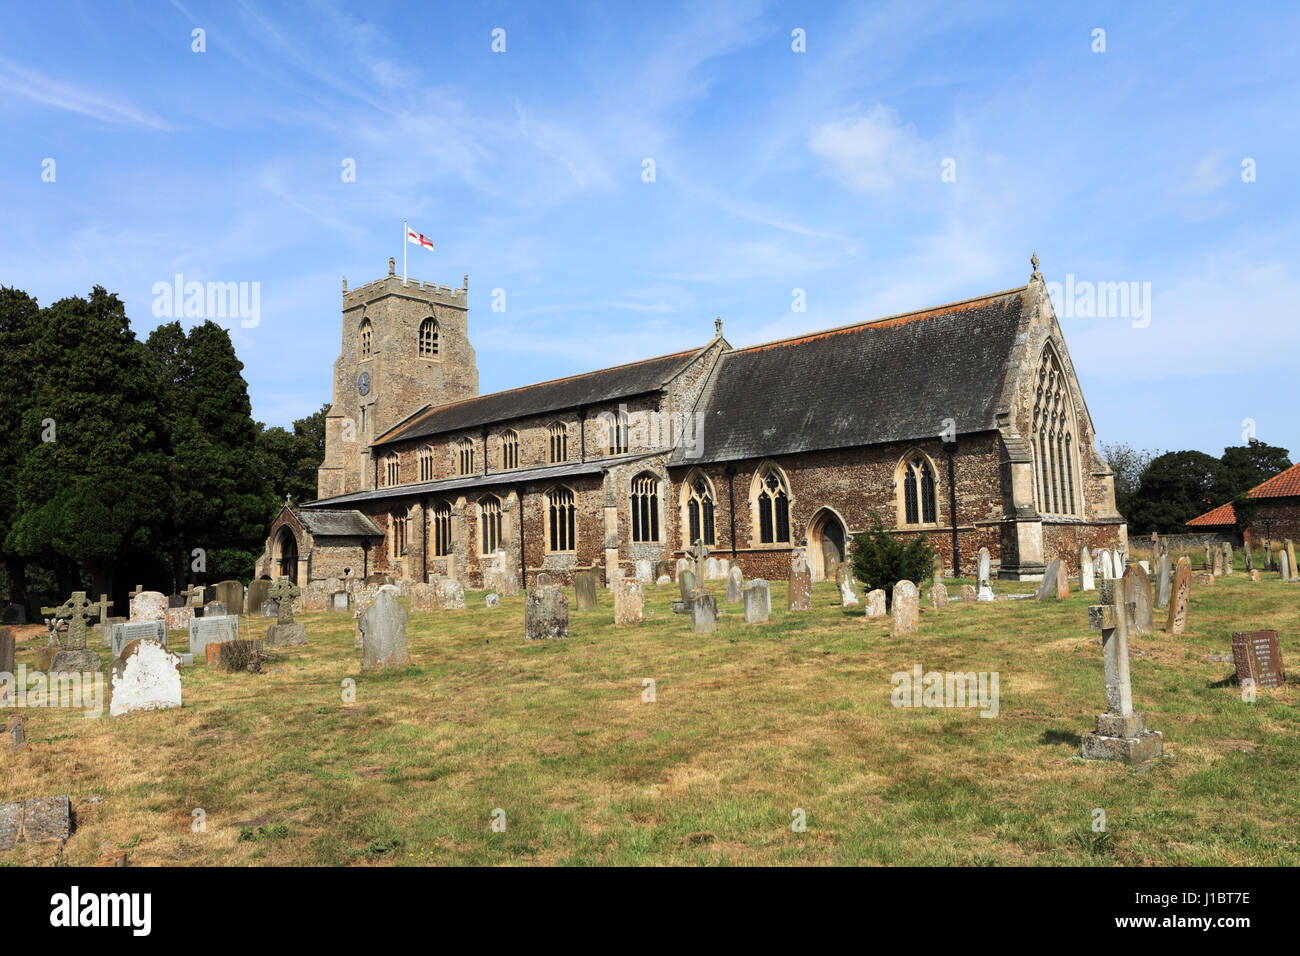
652,741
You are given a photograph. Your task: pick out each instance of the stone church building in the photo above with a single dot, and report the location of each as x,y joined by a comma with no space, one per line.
964,422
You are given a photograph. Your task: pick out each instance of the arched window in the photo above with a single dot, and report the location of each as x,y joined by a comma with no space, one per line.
426,463
363,339
510,449
560,513
398,521
773,505
428,339
699,510
442,530
465,457
920,503
645,508
1052,438
489,519
392,469
617,426
559,436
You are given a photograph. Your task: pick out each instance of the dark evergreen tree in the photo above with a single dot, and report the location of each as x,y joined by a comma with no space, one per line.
19,314
1248,465
1174,488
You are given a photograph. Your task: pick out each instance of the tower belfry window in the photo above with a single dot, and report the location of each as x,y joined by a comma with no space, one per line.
428,338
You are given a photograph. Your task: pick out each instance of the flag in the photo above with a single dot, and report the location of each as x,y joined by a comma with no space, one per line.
417,239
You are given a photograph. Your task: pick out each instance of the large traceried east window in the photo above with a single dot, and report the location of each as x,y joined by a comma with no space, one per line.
429,339
920,503
773,503
489,510
559,441
465,457
699,511
364,335
441,530
1052,439
645,508
560,514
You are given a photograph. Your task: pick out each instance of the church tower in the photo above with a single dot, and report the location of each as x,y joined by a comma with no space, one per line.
405,346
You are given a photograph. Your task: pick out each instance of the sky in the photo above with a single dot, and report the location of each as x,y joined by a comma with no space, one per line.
624,173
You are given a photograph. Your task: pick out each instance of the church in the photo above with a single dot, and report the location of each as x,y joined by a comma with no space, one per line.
964,422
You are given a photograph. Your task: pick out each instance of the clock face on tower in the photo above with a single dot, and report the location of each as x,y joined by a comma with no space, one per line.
363,383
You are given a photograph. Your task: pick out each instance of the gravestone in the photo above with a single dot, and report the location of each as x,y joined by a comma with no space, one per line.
967,593
1227,557
1217,566
15,615
1248,554
875,606
686,582
1087,580
270,608
663,581
146,676
938,595
704,612
629,601
546,613
1180,598
584,584
983,569
848,586
1258,657
1209,559
758,602
1162,582
6,658
75,657
735,584
664,568
379,578
645,571
800,582
284,632
543,580
175,600
214,609
492,599
1051,586
1120,732
341,602
211,630
1290,557
682,565
508,586
383,634
1106,565
1205,578
451,595
424,597
905,610
1062,581
257,593
120,635
1283,566
230,594
148,606
35,821
936,567
178,618
1137,591
711,570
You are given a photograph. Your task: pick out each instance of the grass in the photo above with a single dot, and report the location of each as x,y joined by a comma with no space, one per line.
750,725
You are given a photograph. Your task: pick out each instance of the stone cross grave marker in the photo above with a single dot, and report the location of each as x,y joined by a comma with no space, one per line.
1258,657
75,657
284,631
1120,732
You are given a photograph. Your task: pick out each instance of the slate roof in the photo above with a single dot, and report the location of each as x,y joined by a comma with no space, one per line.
888,380
1285,484
323,523
603,385
512,477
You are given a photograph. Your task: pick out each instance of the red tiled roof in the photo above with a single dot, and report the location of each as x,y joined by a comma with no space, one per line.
1285,484
1222,515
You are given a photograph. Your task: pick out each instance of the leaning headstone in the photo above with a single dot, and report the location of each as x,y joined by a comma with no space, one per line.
1051,586
284,632
148,606
645,571
982,573
546,613
1180,598
35,821
1137,591
145,677
231,595
735,584
255,594
451,595
120,635
584,584
1258,657
1087,581
967,593
800,582
629,601
1162,582
938,595
758,602
848,586
704,612
211,630
875,606
383,634
905,610
1120,732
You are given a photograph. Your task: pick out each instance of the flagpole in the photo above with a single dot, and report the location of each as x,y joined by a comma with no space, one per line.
404,245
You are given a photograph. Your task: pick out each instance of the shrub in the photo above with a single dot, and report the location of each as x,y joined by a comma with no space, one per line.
881,560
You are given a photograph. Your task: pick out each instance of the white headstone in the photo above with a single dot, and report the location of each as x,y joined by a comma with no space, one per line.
148,678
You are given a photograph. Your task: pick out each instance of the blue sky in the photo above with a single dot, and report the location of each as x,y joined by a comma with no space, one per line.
775,170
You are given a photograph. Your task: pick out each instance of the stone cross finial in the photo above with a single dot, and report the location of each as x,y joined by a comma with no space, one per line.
76,610
717,325
283,591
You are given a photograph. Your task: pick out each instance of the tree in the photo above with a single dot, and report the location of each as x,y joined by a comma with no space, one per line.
19,314
1251,464
1174,488
93,486
1127,463
881,559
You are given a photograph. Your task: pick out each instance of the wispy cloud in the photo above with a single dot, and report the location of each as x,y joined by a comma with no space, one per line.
48,91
